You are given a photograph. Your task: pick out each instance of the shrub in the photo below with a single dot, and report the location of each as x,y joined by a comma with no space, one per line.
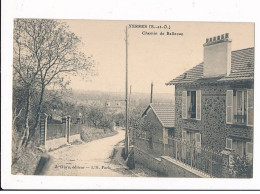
243,167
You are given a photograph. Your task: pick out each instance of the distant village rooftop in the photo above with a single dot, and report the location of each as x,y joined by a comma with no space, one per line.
164,112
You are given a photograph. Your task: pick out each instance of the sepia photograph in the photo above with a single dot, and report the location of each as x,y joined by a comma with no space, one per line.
110,98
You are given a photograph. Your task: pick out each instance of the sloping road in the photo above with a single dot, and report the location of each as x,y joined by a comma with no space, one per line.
87,159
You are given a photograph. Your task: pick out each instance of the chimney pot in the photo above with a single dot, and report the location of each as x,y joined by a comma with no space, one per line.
226,35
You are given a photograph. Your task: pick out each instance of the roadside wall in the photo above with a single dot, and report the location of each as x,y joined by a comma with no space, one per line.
74,137
55,143
164,166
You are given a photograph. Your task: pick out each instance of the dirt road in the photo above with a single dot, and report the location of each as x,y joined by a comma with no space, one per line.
87,159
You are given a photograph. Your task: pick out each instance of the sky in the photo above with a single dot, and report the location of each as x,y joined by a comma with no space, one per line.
151,58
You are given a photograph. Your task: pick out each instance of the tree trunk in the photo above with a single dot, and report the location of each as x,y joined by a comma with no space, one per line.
33,130
27,114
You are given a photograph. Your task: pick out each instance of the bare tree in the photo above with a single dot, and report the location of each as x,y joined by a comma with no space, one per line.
45,51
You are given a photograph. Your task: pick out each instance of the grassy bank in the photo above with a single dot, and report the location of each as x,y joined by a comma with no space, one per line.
27,162
89,134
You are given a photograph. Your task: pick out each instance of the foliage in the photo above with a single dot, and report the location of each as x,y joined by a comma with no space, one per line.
242,167
88,134
136,112
99,117
119,117
45,52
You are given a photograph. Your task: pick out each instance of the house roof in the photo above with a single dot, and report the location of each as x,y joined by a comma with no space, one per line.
165,113
242,68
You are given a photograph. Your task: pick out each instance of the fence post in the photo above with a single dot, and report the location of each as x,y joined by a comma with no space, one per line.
64,129
68,129
211,165
43,129
191,154
176,150
79,124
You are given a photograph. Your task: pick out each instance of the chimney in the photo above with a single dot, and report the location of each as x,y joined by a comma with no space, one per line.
217,56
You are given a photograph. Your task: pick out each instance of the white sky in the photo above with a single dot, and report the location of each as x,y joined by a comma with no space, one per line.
151,58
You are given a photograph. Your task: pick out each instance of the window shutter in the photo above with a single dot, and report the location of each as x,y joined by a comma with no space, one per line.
184,104
250,107
249,150
229,107
198,105
198,142
229,144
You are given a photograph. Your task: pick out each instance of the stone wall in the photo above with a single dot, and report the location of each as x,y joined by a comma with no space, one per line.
212,125
164,165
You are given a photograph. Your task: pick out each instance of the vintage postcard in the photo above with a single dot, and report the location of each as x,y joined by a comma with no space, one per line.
133,98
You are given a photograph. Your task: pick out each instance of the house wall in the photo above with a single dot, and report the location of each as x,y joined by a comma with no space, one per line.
154,134
157,130
212,125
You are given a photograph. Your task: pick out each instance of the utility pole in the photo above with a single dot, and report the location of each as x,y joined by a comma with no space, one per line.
129,113
126,96
151,99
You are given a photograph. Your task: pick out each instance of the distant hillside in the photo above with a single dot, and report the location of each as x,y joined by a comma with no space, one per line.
83,97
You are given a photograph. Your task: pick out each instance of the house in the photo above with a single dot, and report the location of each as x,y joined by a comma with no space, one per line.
115,106
214,105
158,125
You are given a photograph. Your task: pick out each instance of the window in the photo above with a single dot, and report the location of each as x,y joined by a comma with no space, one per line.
239,107
191,104
239,147
229,144
191,138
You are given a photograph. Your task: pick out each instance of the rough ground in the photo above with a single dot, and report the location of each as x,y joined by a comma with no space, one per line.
87,159
139,171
